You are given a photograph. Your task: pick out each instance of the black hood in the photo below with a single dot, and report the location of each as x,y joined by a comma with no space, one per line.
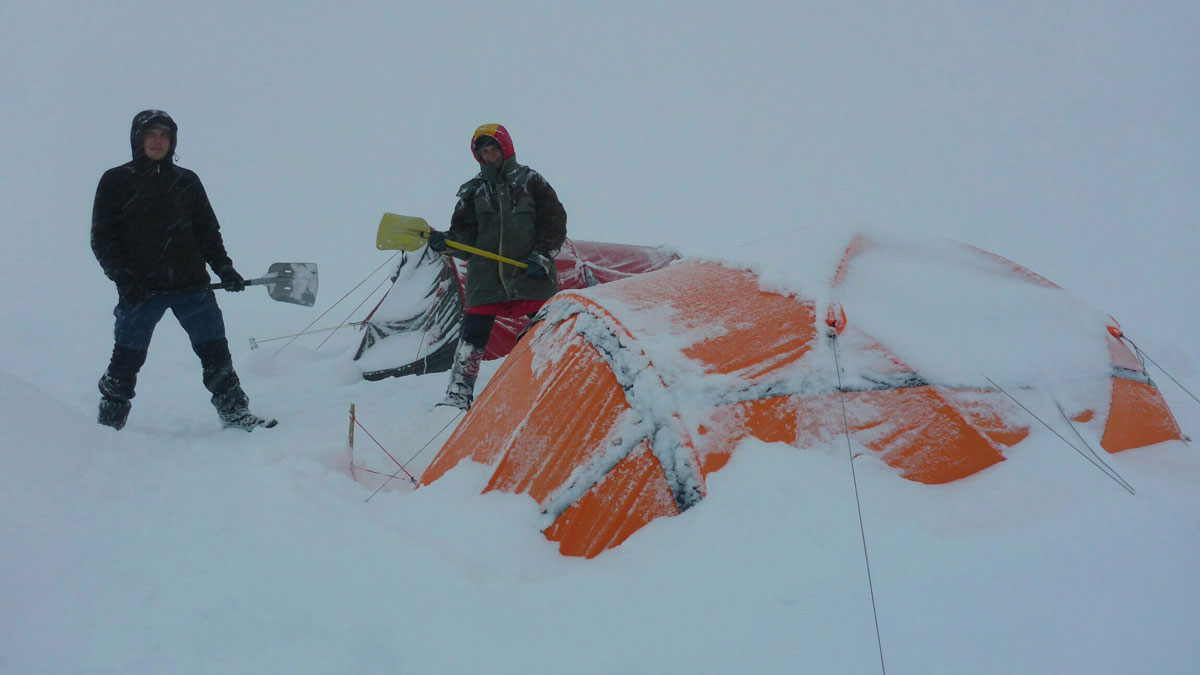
144,119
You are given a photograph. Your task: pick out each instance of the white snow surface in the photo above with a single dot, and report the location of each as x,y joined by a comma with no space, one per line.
1065,137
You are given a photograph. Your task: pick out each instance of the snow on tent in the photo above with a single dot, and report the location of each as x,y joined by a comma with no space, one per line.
621,399
415,326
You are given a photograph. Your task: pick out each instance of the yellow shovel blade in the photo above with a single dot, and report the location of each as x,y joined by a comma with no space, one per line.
406,233
410,233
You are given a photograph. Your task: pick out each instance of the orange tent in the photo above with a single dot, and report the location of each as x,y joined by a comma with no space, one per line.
620,400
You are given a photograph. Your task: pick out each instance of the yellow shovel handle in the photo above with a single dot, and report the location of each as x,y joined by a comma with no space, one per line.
478,251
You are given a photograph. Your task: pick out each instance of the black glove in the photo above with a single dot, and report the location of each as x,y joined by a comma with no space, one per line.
231,280
539,265
437,240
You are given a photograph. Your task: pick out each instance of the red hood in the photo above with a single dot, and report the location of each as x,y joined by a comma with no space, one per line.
498,132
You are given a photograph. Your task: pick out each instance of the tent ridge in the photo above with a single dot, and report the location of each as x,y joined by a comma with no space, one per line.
628,363
1134,375
671,447
603,338
810,388
889,381
584,478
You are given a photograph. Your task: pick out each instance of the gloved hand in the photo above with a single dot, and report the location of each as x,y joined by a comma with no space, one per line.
539,265
231,280
437,240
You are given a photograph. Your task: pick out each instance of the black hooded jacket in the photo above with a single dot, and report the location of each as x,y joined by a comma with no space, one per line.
151,221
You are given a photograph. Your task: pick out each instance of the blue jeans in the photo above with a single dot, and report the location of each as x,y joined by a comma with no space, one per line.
197,312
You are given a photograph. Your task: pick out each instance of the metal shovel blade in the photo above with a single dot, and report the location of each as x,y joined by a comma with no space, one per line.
293,282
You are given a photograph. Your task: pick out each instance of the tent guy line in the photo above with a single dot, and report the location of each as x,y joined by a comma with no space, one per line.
403,470
1111,471
862,530
1143,355
322,315
1119,481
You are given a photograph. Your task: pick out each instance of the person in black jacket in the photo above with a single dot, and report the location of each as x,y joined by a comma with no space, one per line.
153,232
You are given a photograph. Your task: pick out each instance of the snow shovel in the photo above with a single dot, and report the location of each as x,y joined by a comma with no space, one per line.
286,282
410,233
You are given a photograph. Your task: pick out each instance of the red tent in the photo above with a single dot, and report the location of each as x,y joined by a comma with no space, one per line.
415,326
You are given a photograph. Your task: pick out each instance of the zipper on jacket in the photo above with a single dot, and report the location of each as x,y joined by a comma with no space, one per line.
501,192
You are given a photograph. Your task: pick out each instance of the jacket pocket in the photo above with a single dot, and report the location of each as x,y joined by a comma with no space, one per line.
521,231
525,203
487,219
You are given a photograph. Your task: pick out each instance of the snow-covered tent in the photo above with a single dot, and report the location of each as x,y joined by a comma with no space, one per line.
622,399
415,326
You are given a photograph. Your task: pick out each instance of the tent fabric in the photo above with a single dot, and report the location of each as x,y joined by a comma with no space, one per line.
622,399
1138,416
416,325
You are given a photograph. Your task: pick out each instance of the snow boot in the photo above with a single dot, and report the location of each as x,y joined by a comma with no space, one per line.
246,421
117,385
231,402
461,391
115,392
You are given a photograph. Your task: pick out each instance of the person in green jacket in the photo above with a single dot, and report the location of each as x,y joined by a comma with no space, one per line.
511,210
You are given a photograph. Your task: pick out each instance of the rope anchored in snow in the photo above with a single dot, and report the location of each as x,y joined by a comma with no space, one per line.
411,478
1104,468
1111,471
254,343
314,321
857,501
346,321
